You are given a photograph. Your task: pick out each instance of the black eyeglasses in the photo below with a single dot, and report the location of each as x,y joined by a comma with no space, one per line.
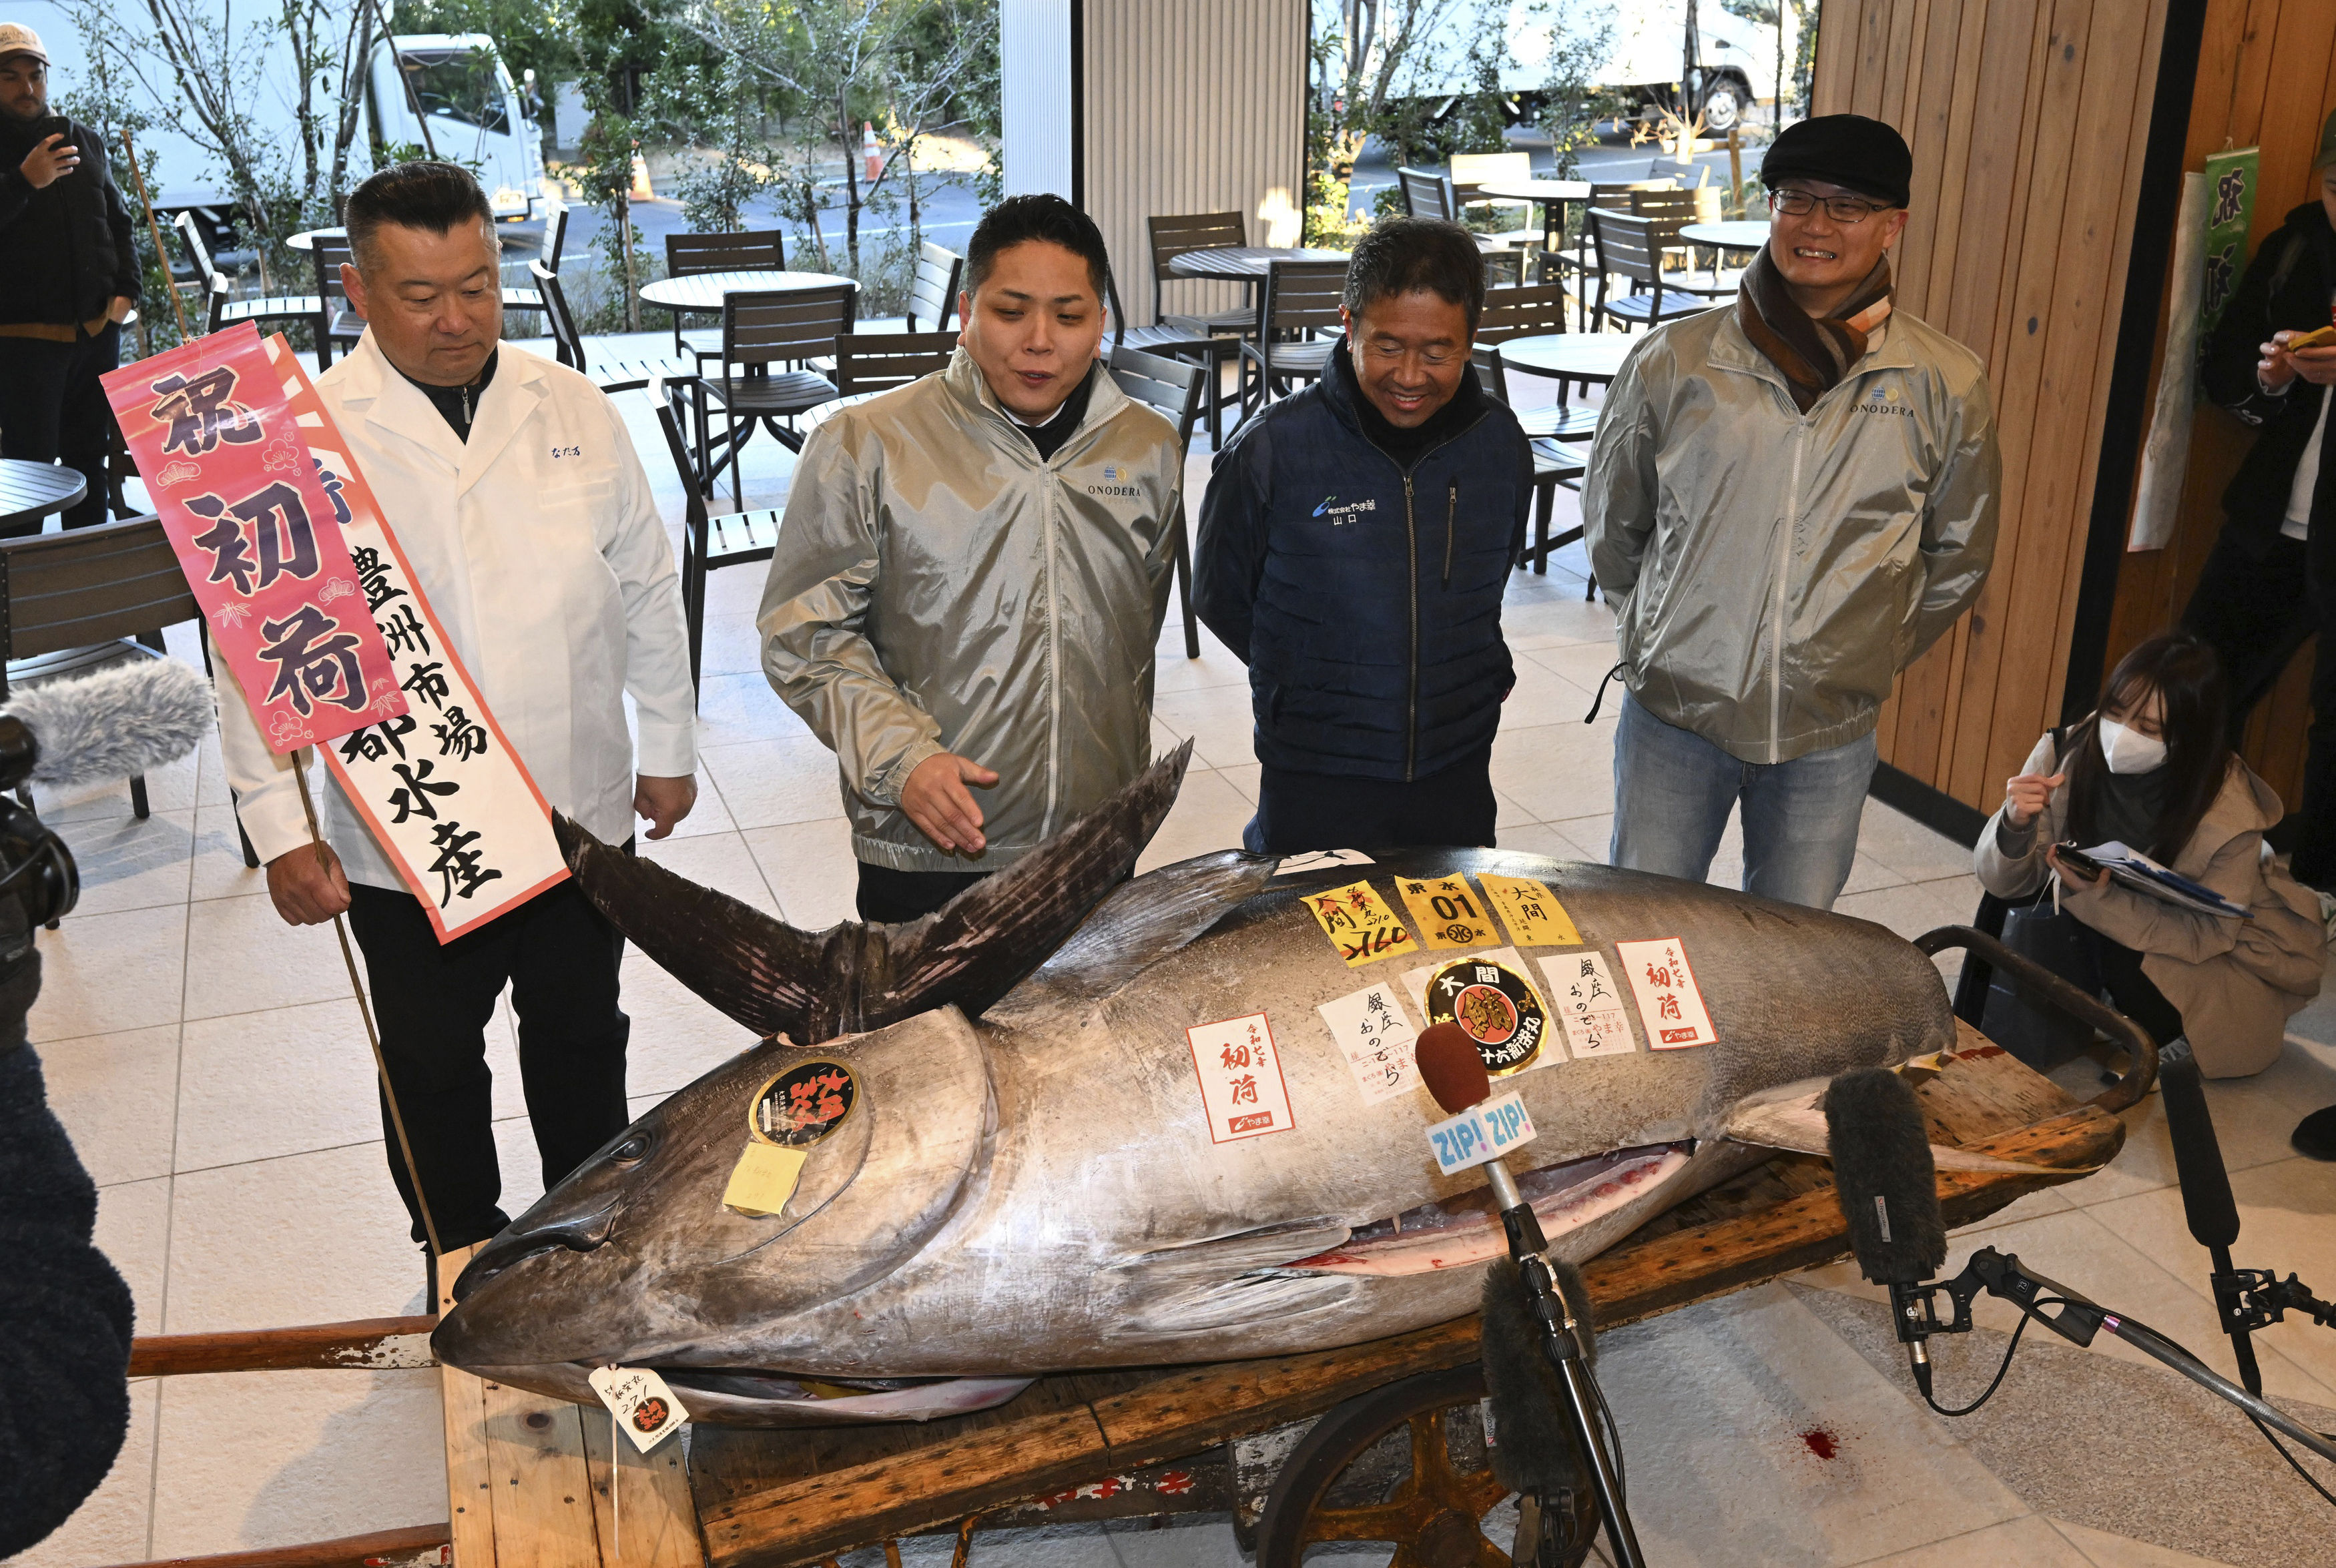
1844,209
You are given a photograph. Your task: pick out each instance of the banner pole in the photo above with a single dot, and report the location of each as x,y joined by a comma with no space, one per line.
373,1038
154,228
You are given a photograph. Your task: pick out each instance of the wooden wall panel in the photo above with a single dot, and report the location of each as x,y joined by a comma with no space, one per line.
2026,118
2266,77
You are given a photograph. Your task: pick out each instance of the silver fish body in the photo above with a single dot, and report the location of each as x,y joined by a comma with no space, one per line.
1038,1188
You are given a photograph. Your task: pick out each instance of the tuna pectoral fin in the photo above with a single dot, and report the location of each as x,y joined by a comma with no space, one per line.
813,986
1792,1116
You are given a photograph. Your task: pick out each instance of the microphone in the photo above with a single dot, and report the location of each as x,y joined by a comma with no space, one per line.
115,724
1534,1444
2206,1200
1889,1190
1456,1076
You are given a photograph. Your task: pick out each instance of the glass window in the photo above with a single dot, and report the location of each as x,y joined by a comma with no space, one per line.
458,84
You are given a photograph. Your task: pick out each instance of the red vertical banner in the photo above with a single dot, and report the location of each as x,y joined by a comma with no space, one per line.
258,536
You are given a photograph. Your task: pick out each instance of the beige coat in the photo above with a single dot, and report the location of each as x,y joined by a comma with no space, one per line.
2235,981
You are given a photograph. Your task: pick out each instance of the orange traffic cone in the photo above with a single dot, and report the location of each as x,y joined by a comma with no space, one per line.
871,159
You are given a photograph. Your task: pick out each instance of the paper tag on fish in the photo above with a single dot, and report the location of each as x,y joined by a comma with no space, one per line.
1360,925
1320,860
1479,1134
1376,1040
1414,985
763,1178
644,1406
1242,1087
1587,1003
1530,911
1670,1005
1498,1009
1445,908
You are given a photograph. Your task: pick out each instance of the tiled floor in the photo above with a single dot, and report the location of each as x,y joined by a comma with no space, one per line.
213,1072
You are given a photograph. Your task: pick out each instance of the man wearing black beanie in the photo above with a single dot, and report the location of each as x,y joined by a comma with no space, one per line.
1787,501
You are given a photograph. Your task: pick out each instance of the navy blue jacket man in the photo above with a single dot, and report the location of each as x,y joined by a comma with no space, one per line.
1354,546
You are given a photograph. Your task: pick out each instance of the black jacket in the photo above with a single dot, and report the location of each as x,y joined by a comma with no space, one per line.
64,250
2286,287
1366,593
65,1313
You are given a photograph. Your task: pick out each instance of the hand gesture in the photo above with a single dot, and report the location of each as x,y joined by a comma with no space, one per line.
664,801
2025,797
49,162
937,801
308,885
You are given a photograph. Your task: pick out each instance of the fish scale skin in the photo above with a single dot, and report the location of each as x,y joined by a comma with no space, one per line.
1081,1229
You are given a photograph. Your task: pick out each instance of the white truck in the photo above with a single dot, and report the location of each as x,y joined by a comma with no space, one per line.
459,82
1643,63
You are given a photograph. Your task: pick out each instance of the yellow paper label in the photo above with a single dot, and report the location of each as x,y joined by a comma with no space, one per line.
1534,917
1447,911
763,1179
1360,925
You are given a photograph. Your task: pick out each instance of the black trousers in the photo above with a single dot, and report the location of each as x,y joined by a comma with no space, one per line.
895,897
2256,609
559,955
53,407
2131,991
1301,811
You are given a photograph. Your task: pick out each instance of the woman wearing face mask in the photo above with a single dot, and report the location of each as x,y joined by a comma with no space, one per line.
2152,769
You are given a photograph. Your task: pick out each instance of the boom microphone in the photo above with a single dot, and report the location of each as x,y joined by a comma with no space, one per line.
1889,1190
118,723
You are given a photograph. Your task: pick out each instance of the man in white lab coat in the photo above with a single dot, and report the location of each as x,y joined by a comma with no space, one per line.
517,497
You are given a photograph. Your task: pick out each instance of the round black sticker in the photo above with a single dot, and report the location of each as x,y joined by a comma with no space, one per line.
1495,1006
804,1104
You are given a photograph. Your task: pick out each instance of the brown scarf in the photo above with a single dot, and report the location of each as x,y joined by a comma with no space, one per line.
1813,354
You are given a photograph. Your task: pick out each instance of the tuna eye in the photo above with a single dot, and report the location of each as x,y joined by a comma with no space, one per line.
632,1150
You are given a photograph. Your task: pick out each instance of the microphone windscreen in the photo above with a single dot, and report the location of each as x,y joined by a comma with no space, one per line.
124,720
1533,1437
1450,1067
2206,1200
1885,1177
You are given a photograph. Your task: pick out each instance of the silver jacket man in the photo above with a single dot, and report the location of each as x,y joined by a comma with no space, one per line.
939,587
1881,503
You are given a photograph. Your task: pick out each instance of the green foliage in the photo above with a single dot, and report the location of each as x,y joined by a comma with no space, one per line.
717,106
538,35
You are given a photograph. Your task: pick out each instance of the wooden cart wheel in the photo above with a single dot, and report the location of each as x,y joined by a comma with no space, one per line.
1404,1464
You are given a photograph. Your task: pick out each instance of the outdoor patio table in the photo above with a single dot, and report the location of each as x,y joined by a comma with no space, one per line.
30,491
1242,263
704,291
1736,234
1551,194
1582,356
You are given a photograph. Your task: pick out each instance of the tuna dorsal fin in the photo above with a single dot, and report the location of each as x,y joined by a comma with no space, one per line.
1792,1116
812,986
1142,922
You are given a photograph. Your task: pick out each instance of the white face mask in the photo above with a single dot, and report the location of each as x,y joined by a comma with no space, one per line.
2128,751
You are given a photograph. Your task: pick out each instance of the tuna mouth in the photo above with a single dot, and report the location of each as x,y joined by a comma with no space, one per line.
578,1233
1465,1229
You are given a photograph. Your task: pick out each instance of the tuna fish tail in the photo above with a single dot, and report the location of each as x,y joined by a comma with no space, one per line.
812,986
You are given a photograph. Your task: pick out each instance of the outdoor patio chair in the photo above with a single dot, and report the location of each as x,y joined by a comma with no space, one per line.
933,288
868,365
338,326
222,309
761,331
1470,170
1555,463
610,376
1204,349
1582,260
1176,236
555,239
1630,247
1298,326
707,543
693,254
1427,194
1532,310
1174,388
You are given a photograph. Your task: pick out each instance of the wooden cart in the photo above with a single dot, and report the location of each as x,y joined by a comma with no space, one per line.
1372,1442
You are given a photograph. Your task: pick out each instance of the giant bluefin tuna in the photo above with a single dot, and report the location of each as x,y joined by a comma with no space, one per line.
1077,1121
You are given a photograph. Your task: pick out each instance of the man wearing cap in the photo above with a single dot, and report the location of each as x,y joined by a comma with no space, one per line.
1788,500
72,276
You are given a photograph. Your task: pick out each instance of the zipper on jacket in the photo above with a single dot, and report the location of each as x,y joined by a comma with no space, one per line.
1451,511
1048,485
1411,700
1784,572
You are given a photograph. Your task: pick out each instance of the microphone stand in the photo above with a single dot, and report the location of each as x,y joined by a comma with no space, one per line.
1560,1332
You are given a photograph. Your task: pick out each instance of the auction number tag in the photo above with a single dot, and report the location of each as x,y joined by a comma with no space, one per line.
1481,1133
644,1406
1359,923
1447,909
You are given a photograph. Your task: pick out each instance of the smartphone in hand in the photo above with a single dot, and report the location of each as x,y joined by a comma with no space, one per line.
2076,860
